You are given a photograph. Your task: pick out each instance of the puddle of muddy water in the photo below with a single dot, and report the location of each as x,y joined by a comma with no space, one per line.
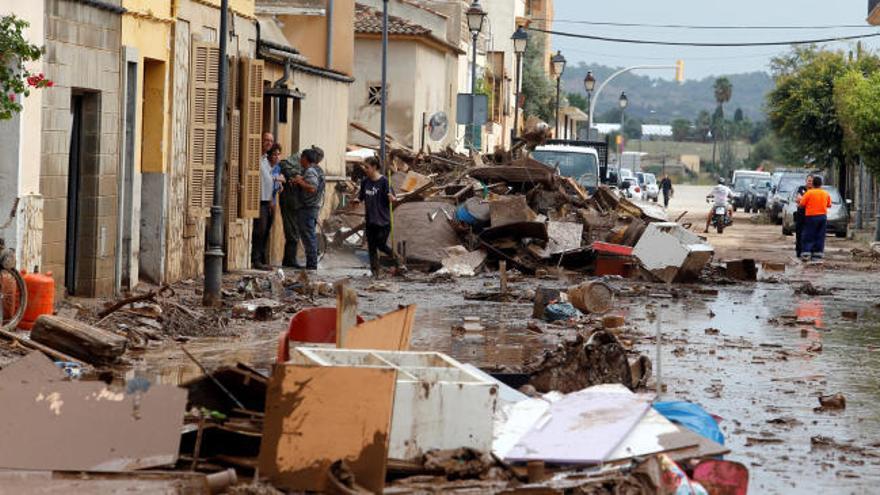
764,378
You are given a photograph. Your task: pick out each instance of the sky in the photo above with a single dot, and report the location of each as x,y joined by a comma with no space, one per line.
701,62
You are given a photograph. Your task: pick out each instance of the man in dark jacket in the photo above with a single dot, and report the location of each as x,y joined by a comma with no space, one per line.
666,187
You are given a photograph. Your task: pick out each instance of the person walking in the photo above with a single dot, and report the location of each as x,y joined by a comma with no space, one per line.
291,167
666,187
262,224
310,186
816,202
376,194
799,216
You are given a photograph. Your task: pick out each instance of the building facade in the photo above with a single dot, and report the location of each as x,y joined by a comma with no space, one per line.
421,79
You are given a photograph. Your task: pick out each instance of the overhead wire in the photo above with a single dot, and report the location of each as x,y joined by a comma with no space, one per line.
703,44
702,27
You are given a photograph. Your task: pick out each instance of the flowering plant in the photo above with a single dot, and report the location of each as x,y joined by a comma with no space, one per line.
15,80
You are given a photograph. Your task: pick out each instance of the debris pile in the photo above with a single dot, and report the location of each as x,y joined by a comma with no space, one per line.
458,214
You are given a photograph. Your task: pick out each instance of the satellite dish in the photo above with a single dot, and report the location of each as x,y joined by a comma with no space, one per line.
438,126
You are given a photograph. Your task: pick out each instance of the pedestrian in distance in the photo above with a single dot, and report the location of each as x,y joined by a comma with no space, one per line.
310,186
376,194
666,187
816,202
269,185
799,216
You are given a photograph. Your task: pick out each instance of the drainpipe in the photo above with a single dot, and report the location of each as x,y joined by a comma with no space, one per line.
330,34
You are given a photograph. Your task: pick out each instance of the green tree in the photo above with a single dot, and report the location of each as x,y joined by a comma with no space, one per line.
857,100
801,108
632,128
703,125
15,79
578,101
723,92
537,89
681,129
738,115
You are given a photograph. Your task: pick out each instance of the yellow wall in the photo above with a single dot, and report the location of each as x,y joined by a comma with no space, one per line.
147,27
308,34
241,7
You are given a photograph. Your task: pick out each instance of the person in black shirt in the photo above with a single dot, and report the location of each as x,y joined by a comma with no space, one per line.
666,187
799,216
376,195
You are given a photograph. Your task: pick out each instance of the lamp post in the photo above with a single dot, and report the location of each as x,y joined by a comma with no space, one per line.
589,85
475,16
520,42
558,62
622,102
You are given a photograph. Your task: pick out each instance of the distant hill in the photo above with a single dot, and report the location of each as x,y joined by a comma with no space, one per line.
661,101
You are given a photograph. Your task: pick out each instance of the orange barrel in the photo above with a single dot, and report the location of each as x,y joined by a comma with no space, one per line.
41,298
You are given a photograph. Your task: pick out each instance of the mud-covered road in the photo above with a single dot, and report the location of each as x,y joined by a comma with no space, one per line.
758,354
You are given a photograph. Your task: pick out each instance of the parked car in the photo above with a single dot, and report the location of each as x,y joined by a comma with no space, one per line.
648,183
629,185
755,197
788,182
740,183
838,214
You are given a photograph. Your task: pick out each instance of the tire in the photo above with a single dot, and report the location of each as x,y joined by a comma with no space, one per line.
840,235
786,231
5,277
720,228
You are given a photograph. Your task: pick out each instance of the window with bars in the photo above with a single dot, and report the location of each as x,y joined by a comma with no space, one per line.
374,95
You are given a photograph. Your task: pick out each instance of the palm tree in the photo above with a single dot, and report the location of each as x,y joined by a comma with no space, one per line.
723,92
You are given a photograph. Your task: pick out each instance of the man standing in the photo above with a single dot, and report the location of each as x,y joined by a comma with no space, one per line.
815,202
799,216
264,221
376,194
311,197
666,187
290,168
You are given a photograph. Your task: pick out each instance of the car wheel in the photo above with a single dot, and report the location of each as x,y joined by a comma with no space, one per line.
786,231
840,234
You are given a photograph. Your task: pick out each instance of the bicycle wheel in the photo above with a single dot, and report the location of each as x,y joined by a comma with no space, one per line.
14,297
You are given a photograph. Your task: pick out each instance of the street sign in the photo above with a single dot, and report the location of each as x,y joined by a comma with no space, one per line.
481,111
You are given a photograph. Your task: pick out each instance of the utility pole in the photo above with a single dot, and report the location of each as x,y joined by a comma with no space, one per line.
214,251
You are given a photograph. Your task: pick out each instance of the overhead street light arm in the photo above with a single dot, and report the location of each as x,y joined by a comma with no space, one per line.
598,92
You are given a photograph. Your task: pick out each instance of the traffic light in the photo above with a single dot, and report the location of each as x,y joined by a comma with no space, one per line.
679,71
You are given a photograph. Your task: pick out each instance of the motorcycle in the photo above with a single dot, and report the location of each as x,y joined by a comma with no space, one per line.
720,216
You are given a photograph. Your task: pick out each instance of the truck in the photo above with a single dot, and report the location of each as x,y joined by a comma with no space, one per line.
584,161
632,160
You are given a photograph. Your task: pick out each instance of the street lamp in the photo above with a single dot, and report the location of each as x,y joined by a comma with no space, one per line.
520,42
475,16
589,85
622,102
558,62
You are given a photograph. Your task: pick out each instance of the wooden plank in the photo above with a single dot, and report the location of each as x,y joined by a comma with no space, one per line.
80,340
88,426
389,332
346,312
316,416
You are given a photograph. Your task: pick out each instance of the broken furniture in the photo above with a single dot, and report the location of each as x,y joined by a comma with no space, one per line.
670,253
438,402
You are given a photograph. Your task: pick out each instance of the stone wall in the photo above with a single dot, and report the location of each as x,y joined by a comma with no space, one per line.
82,58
